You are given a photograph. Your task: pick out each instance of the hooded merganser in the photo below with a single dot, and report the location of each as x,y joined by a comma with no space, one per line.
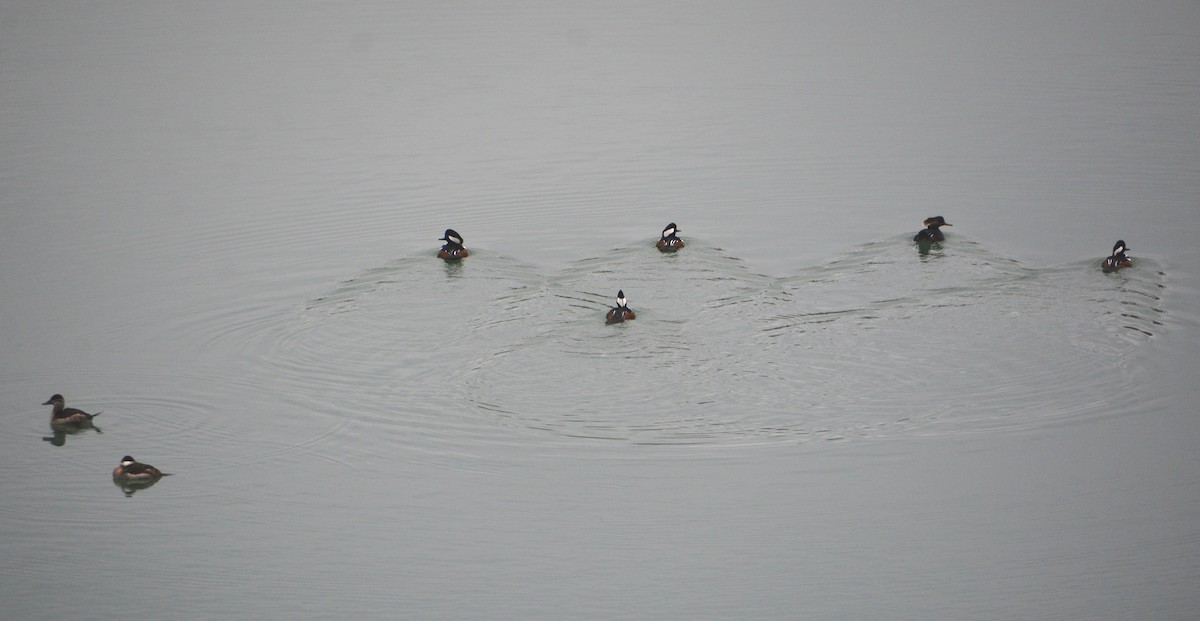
931,233
1117,259
620,312
64,416
131,470
669,243
453,248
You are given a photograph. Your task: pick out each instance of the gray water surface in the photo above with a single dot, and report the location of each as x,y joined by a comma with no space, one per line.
218,226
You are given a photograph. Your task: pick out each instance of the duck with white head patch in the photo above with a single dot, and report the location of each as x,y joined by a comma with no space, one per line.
453,248
131,475
669,242
620,312
1117,260
131,470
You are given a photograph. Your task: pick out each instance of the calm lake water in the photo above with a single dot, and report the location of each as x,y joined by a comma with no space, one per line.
218,225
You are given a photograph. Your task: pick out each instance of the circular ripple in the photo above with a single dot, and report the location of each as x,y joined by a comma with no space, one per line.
446,359
883,342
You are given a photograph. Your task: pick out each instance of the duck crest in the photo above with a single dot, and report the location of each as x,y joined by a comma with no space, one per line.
1117,260
669,242
621,312
453,248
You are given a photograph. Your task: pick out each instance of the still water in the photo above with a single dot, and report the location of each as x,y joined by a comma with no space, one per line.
218,227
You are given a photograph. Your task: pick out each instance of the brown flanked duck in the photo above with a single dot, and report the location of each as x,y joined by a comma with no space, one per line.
669,242
68,417
620,312
131,470
1117,260
131,475
453,248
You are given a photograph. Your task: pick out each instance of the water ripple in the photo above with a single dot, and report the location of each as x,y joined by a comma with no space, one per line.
881,342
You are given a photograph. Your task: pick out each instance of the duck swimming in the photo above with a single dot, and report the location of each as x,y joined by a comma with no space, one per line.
1117,259
64,416
669,242
131,470
620,312
931,232
453,248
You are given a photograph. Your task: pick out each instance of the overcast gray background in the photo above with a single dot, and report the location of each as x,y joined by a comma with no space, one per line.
217,223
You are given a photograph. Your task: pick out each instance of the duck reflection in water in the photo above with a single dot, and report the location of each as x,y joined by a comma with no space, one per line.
131,475
66,421
454,269
60,434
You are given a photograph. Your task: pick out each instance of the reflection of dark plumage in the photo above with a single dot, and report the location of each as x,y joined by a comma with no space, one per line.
453,248
1117,259
669,242
931,232
620,312
68,417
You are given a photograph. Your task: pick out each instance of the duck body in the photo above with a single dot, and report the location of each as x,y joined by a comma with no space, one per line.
669,242
453,248
131,470
1117,260
621,312
932,231
63,416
